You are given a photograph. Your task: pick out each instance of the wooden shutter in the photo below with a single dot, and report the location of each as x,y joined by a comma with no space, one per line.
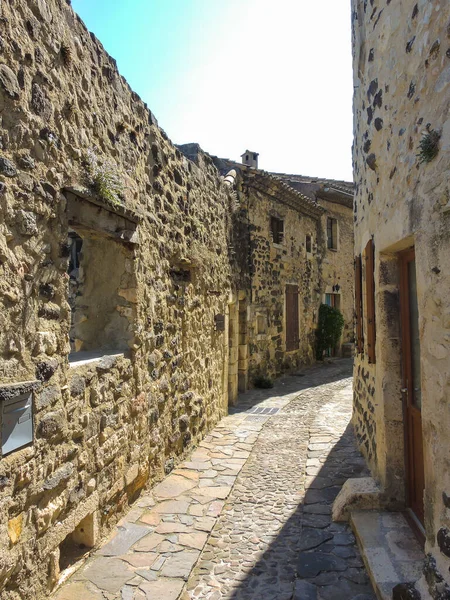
292,323
277,230
329,232
334,229
370,300
358,306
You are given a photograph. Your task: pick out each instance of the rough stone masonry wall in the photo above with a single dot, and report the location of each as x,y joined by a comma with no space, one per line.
104,429
402,92
337,266
273,266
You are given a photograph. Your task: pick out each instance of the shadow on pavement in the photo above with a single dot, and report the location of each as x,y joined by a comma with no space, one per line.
313,558
310,557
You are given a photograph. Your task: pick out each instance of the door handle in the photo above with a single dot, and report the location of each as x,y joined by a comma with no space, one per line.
404,390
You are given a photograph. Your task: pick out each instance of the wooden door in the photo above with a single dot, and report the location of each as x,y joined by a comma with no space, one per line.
292,324
412,397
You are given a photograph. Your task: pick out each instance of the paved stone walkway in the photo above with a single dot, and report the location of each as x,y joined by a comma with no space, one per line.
247,517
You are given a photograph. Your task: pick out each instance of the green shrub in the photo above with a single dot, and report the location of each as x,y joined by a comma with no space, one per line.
102,178
429,146
329,329
263,382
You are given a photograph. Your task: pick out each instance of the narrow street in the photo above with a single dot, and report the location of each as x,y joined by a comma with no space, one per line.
248,515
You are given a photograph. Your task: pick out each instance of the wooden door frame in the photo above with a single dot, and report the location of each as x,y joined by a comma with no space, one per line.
404,258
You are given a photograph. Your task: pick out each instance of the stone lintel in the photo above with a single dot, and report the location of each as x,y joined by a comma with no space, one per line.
119,209
11,390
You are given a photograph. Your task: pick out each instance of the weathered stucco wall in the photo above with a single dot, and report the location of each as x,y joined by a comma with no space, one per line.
102,430
402,92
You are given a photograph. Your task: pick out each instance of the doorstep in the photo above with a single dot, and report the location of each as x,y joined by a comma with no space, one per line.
390,550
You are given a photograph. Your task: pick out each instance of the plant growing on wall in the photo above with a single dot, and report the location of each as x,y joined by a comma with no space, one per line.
329,329
102,178
66,54
429,146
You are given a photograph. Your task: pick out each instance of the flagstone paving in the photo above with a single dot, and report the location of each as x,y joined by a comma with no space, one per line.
247,516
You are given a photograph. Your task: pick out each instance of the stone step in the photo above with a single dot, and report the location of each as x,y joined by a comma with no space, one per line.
390,550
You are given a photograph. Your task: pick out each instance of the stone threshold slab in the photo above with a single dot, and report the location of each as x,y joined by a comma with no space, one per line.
390,550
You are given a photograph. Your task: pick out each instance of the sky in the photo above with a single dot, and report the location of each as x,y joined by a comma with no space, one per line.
270,76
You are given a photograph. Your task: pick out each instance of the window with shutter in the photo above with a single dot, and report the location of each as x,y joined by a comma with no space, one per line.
333,300
359,306
332,233
277,230
370,300
292,322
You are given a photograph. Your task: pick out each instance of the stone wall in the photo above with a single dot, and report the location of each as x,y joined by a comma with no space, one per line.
273,266
337,267
401,164
155,230
264,268
335,264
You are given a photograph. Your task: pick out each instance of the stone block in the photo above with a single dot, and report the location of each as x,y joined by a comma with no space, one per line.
108,574
173,486
243,353
87,531
47,396
389,549
60,475
233,355
52,425
180,564
131,474
163,589
9,85
126,537
243,365
78,590
15,526
356,494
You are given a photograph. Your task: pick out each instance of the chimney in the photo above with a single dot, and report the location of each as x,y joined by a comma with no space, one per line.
250,159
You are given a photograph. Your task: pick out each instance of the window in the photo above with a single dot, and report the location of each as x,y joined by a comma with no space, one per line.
359,306
308,244
369,255
102,283
333,300
261,324
277,230
332,233
292,321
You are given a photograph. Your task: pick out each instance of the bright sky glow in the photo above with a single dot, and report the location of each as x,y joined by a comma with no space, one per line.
273,76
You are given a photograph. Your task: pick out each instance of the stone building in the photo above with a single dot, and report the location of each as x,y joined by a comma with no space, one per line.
114,275
402,247
336,198
139,291
298,235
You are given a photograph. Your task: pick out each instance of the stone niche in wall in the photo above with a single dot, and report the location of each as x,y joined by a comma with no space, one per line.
101,245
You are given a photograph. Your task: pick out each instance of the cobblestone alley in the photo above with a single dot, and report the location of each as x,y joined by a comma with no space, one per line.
247,516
